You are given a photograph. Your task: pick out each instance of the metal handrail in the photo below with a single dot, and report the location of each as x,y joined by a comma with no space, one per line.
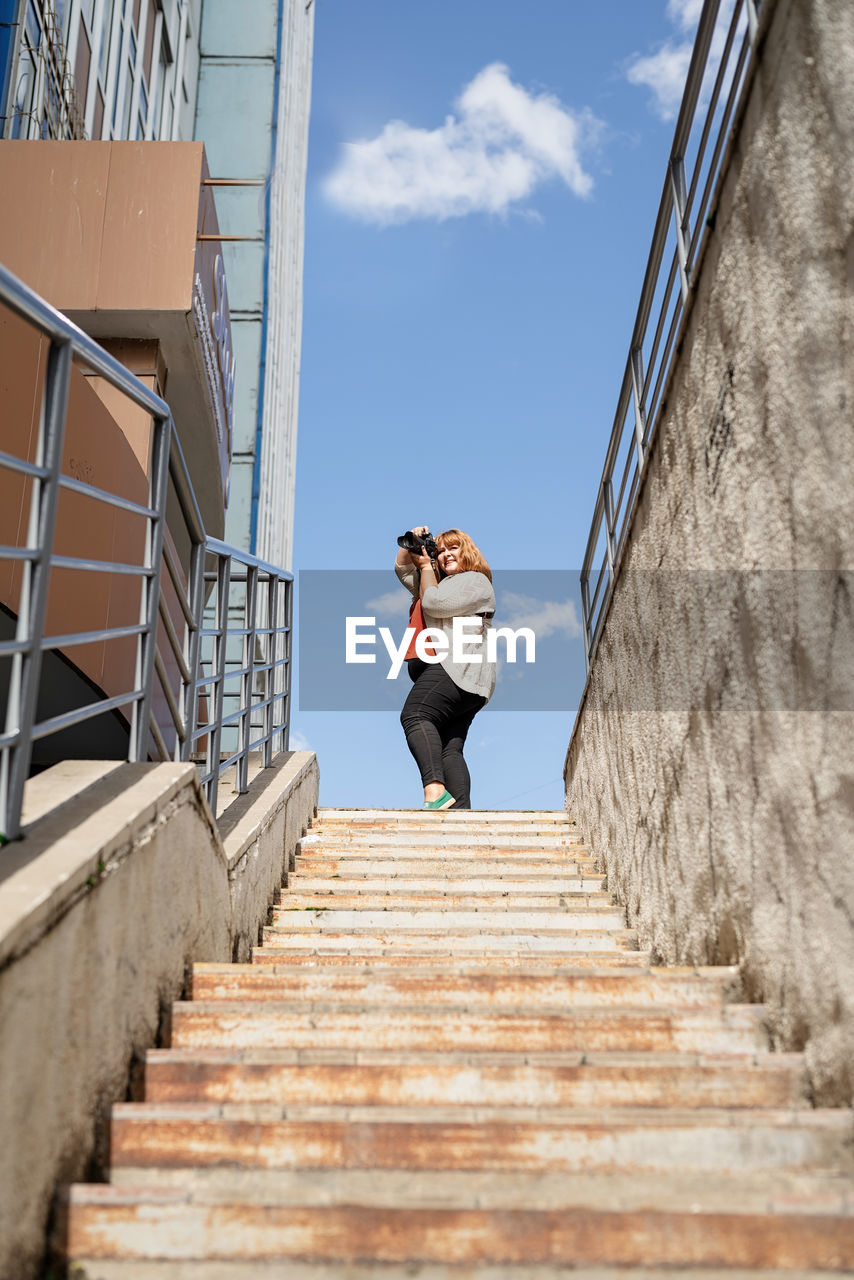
692,177
171,650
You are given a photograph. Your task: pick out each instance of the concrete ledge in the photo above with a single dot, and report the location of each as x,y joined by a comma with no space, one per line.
122,882
260,831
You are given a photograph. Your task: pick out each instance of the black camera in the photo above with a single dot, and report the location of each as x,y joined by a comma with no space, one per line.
420,543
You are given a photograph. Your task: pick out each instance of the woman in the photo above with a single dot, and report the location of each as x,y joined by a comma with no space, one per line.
447,695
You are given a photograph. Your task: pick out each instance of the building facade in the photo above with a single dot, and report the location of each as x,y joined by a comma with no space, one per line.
252,114
238,78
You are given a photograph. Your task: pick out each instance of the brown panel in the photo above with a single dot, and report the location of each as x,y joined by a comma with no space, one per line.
149,242
52,239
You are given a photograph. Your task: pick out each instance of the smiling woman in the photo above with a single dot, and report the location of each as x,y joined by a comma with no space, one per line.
447,693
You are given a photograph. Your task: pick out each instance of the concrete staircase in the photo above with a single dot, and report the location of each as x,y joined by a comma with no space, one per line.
449,1059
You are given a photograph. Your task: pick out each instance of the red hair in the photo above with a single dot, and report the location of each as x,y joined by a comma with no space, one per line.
469,557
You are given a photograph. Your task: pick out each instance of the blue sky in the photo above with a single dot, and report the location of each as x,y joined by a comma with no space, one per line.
472,274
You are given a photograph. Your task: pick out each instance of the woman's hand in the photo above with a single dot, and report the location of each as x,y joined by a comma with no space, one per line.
407,557
420,561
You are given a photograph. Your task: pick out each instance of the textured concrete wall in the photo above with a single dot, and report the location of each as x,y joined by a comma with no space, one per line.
103,907
260,832
711,763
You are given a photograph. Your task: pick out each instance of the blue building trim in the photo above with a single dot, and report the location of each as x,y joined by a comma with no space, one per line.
9,24
259,421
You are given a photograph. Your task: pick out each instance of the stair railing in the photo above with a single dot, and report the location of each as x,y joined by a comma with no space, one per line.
718,80
209,693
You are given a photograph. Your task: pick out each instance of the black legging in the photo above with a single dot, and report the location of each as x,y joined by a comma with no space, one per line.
436,718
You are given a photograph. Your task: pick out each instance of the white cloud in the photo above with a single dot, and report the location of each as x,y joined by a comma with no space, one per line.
685,13
544,617
663,72
395,603
666,70
500,145
298,742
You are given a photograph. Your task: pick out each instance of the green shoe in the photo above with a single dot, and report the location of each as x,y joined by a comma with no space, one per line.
444,801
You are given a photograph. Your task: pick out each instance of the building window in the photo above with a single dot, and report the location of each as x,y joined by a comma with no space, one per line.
44,102
82,63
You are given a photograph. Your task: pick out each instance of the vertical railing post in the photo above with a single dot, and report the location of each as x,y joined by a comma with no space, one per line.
247,680
636,361
270,709
223,589
35,579
679,192
198,557
752,21
289,622
610,545
585,615
151,587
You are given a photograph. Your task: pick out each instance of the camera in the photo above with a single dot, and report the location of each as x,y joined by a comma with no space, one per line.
419,543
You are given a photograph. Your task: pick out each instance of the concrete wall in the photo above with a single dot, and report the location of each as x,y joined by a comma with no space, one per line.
104,906
711,762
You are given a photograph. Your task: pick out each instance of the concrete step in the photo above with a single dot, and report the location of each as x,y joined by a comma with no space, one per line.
560,990
169,1226
296,899
134,1269
683,1190
456,867
487,845
486,840
490,817
422,920
321,1025
270,1136
371,1077
385,957
450,941
302,881
450,825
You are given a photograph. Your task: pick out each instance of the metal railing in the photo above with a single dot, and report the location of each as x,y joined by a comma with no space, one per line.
718,78
192,684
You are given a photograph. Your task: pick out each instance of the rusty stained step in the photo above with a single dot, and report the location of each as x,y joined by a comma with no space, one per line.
561,989
759,1191
389,956
451,841
558,857
299,1269
449,942
342,920
168,1225
334,898
370,1077
451,824
328,1025
438,870
583,886
490,817
416,842
270,1136
432,834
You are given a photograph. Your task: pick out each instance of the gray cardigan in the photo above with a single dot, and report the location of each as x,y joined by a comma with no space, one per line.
462,595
